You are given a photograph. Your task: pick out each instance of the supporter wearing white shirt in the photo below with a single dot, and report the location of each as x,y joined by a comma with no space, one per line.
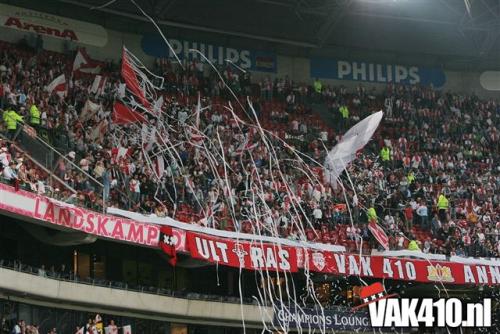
317,213
4,156
40,187
182,116
423,212
481,237
324,135
9,172
401,242
112,328
350,231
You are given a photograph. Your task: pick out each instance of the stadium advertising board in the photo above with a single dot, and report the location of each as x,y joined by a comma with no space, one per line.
253,60
336,318
250,254
31,21
377,73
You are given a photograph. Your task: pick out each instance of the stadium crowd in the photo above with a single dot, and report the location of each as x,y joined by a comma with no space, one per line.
95,325
431,176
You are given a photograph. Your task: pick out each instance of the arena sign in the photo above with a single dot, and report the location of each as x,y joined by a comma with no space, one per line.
262,61
31,21
375,72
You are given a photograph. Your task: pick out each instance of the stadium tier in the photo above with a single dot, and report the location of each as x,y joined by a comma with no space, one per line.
160,185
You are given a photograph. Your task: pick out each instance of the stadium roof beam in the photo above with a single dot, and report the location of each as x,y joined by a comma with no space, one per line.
196,27
336,14
419,19
300,9
488,42
162,10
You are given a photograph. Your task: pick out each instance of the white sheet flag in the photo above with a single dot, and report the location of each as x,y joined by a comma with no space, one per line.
345,151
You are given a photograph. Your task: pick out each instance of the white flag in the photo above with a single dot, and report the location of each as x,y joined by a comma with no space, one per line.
89,110
158,104
345,151
121,90
98,85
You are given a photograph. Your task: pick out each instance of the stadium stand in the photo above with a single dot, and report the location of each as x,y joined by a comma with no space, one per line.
118,211
423,131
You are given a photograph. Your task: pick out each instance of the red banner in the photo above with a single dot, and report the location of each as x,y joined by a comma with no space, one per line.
52,212
418,270
244,254
252,255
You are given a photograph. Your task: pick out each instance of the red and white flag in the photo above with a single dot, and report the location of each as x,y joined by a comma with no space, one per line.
83,63
196,135
247,146
58,85
160,166
134,78
148,135
127,329
379,234
119,152
98,85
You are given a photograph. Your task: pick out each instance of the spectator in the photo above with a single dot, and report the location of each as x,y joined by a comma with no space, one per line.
422,212
19,327
442,205
112,328
11,118
42,272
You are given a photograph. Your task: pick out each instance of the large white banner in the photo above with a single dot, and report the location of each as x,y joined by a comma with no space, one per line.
52,25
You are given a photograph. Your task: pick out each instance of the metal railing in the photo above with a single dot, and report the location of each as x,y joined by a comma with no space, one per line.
71,278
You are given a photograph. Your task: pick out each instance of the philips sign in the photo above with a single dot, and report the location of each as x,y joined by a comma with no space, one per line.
263,61
379,73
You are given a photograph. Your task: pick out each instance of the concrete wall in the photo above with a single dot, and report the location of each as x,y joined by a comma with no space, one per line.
142,305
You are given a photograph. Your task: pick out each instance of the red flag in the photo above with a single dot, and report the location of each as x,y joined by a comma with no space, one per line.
131,80
379,234
124,115
167,243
